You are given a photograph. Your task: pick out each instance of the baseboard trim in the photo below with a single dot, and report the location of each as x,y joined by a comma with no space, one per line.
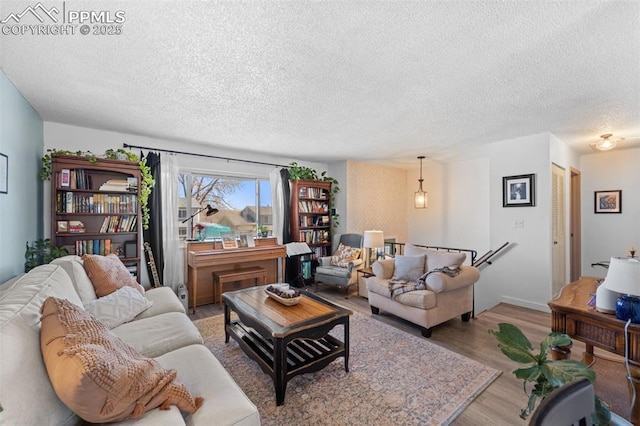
526,304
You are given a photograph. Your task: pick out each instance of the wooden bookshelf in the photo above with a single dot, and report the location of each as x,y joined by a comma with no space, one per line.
95,208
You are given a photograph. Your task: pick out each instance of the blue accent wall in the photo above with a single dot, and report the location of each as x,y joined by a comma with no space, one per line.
21,209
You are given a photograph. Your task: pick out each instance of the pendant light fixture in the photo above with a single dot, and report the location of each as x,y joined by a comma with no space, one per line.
420,199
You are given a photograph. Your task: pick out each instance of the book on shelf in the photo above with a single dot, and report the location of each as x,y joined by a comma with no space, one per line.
116,185
76,227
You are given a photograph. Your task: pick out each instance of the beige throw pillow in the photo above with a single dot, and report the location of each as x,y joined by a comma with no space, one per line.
408,268
343,255
119,307
108,273
97,375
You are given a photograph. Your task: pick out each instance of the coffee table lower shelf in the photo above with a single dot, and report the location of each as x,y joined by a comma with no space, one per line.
301,355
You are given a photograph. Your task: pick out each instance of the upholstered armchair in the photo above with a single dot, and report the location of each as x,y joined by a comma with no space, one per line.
340,269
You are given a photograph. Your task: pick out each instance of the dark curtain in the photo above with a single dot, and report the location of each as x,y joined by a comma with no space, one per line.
286,191
153,235
292,263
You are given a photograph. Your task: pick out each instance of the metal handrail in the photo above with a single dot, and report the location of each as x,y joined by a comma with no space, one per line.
488,255
400,249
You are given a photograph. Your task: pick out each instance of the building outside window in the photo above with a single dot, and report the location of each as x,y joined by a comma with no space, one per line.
243,204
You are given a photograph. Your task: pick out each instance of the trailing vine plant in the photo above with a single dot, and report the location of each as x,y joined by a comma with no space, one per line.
146,184
45,172
297,172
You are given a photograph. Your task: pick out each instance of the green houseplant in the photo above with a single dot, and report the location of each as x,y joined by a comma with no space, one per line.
545,374
40,252
146,184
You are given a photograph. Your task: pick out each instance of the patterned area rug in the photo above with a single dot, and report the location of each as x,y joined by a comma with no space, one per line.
394,378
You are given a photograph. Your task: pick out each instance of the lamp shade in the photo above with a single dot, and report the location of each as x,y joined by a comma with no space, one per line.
623,275
373,239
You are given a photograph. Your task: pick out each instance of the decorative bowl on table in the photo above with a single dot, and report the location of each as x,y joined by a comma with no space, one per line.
282,293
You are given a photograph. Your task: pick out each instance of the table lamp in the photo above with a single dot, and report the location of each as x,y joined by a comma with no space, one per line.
624,277
372,239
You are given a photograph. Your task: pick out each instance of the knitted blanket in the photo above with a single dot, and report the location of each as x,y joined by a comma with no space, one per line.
397,287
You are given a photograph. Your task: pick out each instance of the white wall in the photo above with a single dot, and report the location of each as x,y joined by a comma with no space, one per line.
522,274
608,235
21,219
467,205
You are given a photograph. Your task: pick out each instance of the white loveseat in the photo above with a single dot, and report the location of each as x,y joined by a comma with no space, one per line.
162,332
444,297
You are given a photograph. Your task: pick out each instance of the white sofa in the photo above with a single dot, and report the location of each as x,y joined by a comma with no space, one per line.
162,332
443,298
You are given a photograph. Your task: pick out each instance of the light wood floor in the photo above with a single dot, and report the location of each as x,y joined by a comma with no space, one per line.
501,402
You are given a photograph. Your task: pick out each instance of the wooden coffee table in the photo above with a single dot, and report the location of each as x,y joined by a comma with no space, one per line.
286,341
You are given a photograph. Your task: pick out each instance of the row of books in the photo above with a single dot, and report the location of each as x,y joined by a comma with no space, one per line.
312,193
102,247
69,202
314,237
313,206
73,179
119,224
308,221
321,251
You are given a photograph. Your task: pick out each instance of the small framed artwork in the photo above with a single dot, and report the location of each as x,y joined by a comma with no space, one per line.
607,201
63,226
246,240
65,177
4,174
229,240
519,191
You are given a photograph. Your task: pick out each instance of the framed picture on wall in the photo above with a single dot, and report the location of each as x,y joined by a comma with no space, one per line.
4,174
607,201
519,191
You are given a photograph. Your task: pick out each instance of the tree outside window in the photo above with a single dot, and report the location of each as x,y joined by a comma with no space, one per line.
243,204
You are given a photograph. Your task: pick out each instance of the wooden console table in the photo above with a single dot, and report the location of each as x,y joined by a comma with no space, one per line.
571,314
201,264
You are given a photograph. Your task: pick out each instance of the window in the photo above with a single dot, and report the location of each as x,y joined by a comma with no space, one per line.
182,212
243,204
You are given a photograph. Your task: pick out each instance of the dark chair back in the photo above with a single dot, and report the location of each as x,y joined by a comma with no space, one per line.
351,240
571,404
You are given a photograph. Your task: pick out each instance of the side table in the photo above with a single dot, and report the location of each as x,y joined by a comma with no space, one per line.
366,273
571,314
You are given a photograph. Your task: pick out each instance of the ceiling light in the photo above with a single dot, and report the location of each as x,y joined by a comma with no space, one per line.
420,199
605,144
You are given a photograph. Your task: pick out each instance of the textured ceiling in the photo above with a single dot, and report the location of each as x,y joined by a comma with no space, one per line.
333,80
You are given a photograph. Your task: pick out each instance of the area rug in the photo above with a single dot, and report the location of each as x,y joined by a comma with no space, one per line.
394,378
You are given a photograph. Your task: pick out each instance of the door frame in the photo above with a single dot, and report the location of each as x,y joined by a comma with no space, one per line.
575,225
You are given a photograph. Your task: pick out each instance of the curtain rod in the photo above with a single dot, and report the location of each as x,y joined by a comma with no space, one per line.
126,145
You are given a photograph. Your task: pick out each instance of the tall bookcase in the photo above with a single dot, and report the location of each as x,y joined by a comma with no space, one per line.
95,208
311,219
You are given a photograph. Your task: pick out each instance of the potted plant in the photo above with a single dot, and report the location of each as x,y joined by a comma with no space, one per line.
40,252
263,231
545,374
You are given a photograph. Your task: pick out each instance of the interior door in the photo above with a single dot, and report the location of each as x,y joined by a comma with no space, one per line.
558,249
